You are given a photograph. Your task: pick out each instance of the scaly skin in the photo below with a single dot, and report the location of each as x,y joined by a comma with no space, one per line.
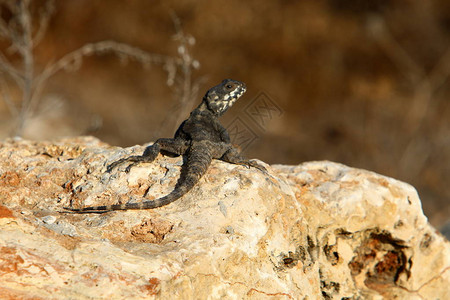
200,139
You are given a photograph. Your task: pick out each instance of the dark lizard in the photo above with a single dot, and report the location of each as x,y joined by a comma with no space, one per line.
199,139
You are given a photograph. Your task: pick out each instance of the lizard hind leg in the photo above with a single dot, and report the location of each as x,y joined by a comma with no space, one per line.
136,159
149,155
174,146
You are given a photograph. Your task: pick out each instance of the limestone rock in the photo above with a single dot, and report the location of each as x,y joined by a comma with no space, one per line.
312,231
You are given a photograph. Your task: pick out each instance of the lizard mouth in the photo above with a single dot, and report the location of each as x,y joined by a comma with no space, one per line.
220,98
235,95
229,100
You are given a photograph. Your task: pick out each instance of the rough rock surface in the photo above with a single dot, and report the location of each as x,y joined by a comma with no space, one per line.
312,231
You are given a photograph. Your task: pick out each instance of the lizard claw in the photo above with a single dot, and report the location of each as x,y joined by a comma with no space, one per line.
256,165
119,162
260,167
128,168
113,165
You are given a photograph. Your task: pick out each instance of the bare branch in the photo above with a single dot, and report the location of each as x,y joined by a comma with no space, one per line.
44,19
6,95
25,48
73,59
24,19
9,69
18,30
183,87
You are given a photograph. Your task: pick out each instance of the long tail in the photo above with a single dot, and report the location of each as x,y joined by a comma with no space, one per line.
199,158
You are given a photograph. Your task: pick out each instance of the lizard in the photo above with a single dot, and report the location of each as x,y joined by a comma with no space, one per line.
199,139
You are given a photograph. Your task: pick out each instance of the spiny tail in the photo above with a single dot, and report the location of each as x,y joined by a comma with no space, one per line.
174,195
198,160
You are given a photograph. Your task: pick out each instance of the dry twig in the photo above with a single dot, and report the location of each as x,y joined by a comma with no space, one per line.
18,30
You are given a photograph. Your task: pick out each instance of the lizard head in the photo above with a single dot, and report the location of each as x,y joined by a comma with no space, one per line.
221,97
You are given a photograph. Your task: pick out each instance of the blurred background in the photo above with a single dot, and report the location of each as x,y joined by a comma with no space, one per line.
363,83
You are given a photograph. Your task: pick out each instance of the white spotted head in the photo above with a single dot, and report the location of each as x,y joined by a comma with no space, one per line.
222,96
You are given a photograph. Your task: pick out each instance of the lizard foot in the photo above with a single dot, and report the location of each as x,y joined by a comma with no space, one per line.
133,159
254,164
115,164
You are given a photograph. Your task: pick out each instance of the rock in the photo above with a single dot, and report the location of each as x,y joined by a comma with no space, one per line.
316,230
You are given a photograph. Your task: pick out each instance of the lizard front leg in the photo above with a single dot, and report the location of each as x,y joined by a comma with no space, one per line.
174,146
233,156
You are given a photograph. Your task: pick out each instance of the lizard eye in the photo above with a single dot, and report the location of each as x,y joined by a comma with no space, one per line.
228,86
